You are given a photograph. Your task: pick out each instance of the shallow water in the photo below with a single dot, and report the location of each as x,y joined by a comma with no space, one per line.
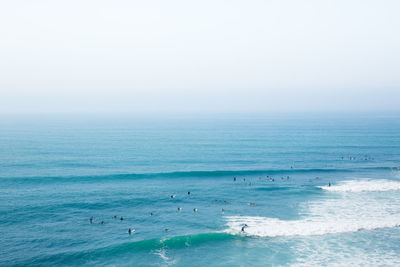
58,172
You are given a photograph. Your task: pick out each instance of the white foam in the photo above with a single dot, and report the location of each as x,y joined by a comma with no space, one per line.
363,185
163,255
331,214
270,227
341,252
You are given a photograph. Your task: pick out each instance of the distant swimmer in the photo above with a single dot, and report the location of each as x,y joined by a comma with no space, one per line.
234,179
179,208
223,210
188,192
102,222
244,179
91,219
329,184
172,196
215,200
121,218
195,209
151,214
224,201
115,216
131,231
166,230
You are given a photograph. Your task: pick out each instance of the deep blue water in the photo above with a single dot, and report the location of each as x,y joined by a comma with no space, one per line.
57,172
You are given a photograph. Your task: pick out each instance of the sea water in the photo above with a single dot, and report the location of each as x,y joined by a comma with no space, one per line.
306,190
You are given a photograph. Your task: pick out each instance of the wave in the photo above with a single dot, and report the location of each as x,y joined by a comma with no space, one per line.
272,227
179,241
212,173
331,215
155,245
363,185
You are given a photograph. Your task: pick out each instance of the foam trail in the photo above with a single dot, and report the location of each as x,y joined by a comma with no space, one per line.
363,185
330,215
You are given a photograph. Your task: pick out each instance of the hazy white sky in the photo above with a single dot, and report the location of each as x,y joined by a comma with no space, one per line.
199,56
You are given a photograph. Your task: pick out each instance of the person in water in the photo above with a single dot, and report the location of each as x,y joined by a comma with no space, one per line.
329,184
188,192
243,227
121,218
234,179
91,219
195,209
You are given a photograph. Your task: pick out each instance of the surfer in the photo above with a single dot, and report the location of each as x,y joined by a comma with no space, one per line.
151,214
223,210
243,227
329,184
115,216
179,208
234,179
188,192
172,196
121,218
91,219
195,209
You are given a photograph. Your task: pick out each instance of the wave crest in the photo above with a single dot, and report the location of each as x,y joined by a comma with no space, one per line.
363,185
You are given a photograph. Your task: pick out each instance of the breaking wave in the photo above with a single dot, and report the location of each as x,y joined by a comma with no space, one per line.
331,215
363,185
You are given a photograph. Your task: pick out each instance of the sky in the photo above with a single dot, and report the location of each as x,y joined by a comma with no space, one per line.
199,56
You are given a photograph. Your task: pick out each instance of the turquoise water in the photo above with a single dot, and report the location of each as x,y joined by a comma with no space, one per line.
57,172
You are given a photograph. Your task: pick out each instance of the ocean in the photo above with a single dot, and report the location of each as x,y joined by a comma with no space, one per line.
223,190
